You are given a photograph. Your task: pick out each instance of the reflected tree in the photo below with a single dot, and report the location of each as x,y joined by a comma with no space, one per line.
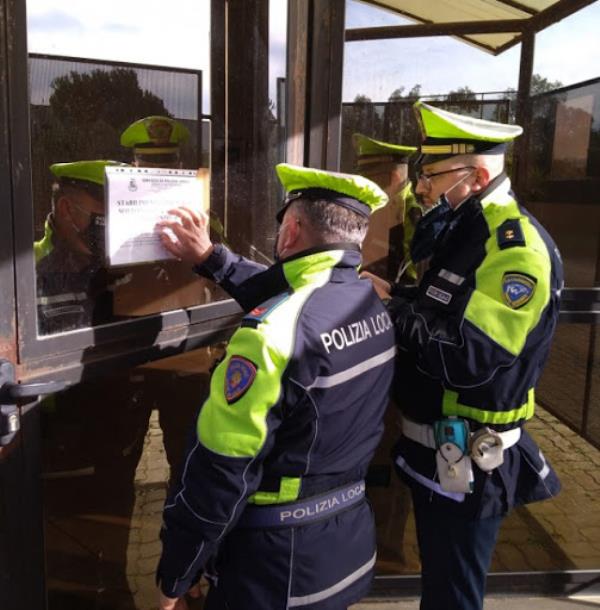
90,110
86,114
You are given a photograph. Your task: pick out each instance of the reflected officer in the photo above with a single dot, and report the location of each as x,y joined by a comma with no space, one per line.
72,291
391,229
156,141
274,483
471,343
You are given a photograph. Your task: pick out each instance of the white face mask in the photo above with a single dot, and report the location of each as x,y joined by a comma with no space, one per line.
444,195
432,225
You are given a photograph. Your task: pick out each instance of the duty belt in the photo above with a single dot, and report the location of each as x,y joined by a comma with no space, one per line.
424,434
304,511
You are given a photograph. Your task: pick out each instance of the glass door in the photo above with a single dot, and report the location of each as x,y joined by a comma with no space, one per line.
83,483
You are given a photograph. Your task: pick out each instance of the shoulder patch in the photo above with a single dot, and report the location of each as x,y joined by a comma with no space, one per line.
260,312
517,289
239,376
510,234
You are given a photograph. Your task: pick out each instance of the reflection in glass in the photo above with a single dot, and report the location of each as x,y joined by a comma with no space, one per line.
107,463
73,286
80,110
112,445
563,175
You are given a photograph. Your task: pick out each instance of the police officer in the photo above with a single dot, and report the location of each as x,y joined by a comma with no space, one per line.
472,343
391,229
71,288
156,141
274,483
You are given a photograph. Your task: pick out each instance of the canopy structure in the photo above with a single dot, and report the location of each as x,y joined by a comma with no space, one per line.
491,25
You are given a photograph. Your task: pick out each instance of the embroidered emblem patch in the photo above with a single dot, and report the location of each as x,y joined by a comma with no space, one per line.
517,289
238,378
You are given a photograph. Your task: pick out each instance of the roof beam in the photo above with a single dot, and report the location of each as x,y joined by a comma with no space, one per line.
552,15
557,12
441,29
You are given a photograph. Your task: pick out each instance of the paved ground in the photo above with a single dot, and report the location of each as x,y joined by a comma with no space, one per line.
107,553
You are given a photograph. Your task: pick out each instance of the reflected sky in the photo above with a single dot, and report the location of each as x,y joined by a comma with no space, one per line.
567,52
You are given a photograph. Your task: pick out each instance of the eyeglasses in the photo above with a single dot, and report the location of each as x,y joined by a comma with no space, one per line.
426,178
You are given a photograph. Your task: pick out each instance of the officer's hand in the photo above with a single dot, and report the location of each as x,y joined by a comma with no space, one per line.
187,238
382,288
172,603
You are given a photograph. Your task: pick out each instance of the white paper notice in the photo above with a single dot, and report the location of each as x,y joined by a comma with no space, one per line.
136,199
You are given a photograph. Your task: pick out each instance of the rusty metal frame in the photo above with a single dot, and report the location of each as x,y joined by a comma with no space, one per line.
314,68
21,522
8,340
325,83
296,85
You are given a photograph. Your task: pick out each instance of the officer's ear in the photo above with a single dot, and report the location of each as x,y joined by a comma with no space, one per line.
482,179
293,231
62,207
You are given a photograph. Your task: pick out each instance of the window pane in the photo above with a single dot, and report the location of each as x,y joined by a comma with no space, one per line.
381,81
80,107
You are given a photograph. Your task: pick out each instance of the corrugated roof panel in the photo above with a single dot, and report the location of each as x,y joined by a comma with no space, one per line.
448,11
467,11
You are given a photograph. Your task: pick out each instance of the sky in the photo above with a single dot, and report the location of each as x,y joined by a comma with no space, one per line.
568,52
142,31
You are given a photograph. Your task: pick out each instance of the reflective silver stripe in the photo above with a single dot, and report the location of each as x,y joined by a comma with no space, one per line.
332,380
453,278
64,310
457,497
62,298
545,471
304,600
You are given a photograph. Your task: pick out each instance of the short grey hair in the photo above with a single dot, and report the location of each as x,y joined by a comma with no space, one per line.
331,222
493,163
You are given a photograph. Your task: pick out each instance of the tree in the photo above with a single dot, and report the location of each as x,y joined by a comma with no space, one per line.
87,113
463,100
540,84
413,94
113,97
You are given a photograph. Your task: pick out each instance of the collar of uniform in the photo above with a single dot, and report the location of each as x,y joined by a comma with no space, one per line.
315,264
497,192
45,245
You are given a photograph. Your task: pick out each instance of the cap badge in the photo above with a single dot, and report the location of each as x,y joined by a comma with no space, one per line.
159,131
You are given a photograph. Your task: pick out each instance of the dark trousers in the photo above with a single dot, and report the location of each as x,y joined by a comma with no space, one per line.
455,556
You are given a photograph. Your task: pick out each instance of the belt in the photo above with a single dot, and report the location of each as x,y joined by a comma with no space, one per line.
304,511
424,435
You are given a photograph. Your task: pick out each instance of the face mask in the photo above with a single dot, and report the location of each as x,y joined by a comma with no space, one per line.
94,238
429,229
432,224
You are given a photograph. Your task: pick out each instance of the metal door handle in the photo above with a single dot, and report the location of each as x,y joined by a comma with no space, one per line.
11,392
